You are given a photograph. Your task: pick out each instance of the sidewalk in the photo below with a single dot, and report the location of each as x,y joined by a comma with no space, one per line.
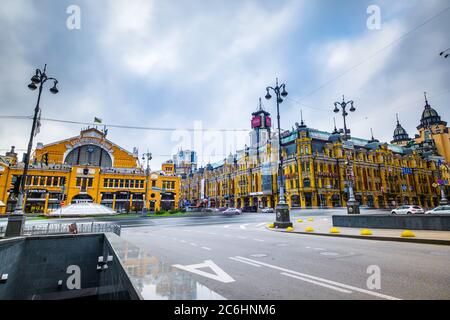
322,225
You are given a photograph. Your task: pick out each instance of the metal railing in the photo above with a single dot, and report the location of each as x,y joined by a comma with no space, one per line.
63,228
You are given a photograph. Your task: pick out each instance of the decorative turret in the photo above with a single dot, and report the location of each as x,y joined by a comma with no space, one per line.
335,135
373,143
400,135
429,116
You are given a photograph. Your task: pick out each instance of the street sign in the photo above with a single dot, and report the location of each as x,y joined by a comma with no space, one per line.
407,171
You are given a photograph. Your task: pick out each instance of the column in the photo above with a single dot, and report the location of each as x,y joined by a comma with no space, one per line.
47,196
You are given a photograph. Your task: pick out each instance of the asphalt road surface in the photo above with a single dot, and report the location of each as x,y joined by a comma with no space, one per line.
238,258
255,263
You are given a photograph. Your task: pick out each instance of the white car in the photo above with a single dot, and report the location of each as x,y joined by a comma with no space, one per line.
408,209
231,211
267,210
440,210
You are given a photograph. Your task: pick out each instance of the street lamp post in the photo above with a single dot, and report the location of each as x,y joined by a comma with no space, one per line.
442,167
147,157
282,209
352,204
17,219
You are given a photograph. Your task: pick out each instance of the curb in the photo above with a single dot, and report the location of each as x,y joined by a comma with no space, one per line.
396,239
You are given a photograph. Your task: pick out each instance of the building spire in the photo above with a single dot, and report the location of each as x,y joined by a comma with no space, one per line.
371,132
398,122
335,128
301,118
426,100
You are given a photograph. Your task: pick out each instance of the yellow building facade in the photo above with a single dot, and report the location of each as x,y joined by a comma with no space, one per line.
88,168
317,168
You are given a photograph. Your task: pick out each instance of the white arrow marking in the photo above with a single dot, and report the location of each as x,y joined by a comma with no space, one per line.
218,275
242,226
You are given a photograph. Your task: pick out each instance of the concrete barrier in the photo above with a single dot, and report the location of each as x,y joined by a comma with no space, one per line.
387,221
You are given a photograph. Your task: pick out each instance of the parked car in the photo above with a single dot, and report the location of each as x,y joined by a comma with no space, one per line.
231,211
267,210
439,210
408,209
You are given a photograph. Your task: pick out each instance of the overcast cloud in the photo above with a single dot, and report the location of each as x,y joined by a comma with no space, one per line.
171,63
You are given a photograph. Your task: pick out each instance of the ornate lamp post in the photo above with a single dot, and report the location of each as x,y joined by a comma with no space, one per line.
352,204
17,219
282,209
442,167
147,157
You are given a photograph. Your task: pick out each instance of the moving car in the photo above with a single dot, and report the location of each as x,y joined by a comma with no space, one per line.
408,209
231,211
267,210
440,210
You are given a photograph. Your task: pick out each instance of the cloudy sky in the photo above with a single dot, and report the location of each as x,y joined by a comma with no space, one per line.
187,64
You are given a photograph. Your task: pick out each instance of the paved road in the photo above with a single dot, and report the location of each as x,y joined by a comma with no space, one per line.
272,265
261,264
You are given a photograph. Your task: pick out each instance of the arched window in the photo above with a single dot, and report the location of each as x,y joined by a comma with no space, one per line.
89,155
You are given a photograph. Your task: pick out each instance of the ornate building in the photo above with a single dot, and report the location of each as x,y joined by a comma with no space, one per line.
89,168
316,169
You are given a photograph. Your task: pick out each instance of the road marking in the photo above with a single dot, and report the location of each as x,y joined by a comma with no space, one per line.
316,283
206,248
243,226
261,224
227,226
250,263
193,244
212,233
241,237
183,241
372,293
319,249
260,240
218,275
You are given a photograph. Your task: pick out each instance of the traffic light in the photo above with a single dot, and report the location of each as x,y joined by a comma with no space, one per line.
45,159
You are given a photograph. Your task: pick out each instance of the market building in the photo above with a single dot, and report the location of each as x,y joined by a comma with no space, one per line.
317,168
87,168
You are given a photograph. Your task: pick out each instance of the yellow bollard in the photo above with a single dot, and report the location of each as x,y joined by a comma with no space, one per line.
408,234
334,230
300,220
311,219
366,232
290,229
309,229
271,226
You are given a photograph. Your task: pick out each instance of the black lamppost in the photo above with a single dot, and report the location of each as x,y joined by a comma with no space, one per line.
343,106
445,53
17,220
282,209
352,204
147,156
